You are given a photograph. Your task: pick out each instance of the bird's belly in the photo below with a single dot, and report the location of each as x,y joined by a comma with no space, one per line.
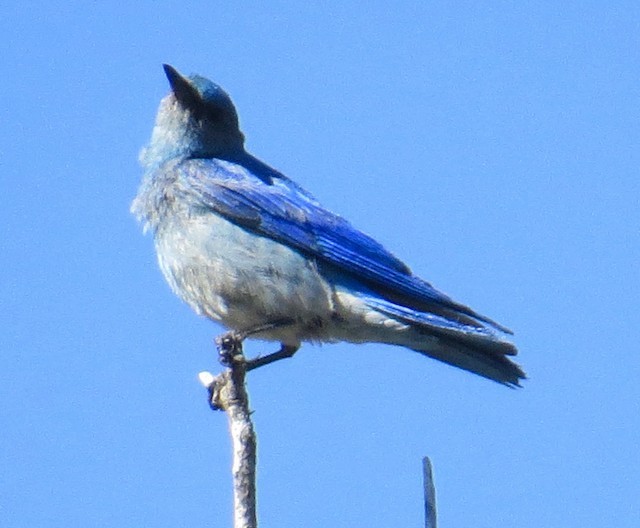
242,279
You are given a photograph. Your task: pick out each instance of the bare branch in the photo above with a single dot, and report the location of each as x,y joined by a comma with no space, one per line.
228,393
430,520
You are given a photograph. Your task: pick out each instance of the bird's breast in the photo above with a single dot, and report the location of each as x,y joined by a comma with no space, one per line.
241,278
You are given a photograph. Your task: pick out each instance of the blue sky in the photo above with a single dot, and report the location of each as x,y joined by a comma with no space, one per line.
494,148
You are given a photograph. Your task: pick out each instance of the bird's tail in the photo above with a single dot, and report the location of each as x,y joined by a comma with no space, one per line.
480,348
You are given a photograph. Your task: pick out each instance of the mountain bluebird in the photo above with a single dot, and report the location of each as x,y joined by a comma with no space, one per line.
244,245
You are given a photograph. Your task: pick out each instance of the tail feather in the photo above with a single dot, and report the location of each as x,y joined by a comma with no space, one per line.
495,367
481,348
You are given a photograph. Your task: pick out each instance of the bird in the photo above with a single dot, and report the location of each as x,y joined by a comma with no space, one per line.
247,247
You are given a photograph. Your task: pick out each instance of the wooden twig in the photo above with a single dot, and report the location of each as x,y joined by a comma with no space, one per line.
430,520
228,393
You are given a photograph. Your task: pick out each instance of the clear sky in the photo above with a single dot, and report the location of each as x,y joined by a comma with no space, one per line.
492,146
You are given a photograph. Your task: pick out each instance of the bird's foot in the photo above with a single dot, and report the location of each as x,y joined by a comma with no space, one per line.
230,355
229,347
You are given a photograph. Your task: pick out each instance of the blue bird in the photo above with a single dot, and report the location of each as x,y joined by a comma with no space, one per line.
244,245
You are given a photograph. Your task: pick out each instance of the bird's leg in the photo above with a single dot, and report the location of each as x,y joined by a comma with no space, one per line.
286,351
229,346
230,353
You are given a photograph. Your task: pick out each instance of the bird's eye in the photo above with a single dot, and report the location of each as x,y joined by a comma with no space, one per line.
214,114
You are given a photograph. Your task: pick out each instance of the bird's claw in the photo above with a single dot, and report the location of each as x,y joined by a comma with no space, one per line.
229,347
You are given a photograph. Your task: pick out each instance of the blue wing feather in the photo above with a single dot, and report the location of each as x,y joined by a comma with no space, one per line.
263,200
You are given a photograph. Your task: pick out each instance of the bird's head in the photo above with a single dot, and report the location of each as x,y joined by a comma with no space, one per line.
196,119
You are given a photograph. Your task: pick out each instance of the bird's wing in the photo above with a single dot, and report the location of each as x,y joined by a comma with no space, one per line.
287,214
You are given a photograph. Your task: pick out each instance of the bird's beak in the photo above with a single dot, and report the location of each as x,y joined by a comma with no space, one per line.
183,89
